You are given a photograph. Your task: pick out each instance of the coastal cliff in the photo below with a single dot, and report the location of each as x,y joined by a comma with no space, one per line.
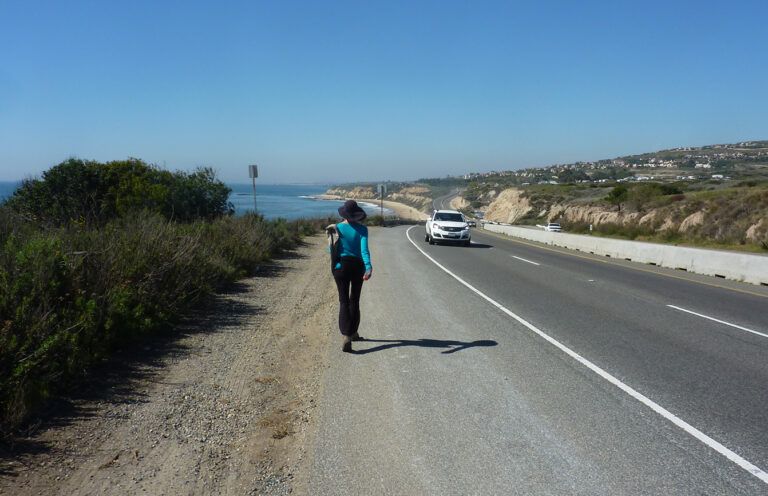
415,196
353,193
733,217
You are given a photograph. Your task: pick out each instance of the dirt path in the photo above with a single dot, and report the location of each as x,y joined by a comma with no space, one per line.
227,408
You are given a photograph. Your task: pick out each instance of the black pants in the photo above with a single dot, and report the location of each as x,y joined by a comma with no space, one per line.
349,281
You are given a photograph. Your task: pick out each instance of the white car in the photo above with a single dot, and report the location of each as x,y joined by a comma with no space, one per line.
553,227
447,225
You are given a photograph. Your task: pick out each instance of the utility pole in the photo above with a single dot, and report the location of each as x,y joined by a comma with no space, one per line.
253,172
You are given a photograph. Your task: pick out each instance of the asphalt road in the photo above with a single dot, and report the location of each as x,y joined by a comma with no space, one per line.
444,202
455,396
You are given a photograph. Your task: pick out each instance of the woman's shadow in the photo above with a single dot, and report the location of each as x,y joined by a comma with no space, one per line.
452,346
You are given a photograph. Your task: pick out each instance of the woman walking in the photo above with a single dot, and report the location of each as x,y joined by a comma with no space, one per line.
351,265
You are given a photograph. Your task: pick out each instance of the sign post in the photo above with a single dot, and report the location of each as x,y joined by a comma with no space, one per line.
382,191
253,173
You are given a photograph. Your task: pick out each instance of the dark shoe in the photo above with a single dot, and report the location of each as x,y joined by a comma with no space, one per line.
347,346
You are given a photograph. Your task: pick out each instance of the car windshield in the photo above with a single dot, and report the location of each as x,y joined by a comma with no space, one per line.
449,217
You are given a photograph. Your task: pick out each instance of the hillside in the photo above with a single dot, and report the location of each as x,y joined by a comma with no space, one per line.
745,161
712,195
740,161
734,217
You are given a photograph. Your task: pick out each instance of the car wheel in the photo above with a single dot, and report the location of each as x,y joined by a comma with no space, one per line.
426,237
467,243
431,240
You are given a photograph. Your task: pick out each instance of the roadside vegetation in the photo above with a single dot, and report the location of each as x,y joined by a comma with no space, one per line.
709,214
94,257
734,218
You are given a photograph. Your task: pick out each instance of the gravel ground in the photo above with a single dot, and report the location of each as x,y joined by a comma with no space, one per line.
226,407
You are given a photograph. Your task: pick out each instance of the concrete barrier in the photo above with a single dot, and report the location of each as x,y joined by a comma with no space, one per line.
730,265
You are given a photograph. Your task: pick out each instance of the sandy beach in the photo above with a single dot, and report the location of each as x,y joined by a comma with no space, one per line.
401,210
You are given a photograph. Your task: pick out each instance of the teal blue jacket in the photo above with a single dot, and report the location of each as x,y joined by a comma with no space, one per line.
354,243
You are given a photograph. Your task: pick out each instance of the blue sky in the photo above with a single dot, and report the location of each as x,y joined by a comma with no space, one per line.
342,91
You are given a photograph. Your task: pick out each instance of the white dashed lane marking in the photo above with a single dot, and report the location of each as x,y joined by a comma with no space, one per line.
718,321
524,260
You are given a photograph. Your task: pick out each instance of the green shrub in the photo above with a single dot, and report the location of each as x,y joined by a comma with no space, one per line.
94,256
69,296
650,195
617,196
91,193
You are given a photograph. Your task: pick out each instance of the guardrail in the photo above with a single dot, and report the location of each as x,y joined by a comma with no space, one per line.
728,265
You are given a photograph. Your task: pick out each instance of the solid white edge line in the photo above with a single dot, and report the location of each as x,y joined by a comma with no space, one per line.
524,260
688,428
718,320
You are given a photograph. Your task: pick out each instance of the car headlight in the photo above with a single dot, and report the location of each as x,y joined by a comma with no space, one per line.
436,226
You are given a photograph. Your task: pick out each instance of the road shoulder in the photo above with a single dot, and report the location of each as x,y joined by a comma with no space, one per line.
226,407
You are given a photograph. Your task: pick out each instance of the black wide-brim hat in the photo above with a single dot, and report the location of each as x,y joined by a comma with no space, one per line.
352,211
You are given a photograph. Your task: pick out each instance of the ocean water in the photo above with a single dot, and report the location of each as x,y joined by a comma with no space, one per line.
289,201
